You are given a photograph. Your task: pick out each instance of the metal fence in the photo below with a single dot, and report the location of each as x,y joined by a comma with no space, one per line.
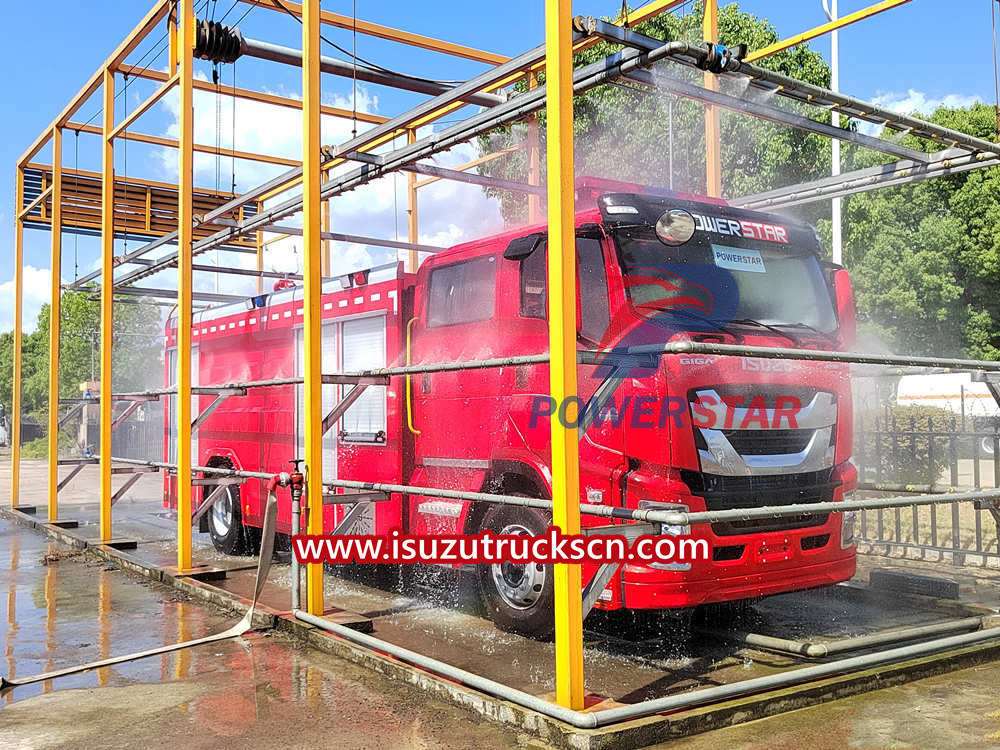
139,437
929,456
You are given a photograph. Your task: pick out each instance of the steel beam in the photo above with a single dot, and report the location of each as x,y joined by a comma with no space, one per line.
288,56
562,343
312,247
251,95
15,408
774,114
144,106
120,493
384,32
185,223
826,28
135,291
412,217
55,319
713,140
952,161
358,239
419,115
471,178
156,14
107,299
345,403
524,104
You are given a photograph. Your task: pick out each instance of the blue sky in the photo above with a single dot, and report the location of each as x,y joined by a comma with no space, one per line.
50,48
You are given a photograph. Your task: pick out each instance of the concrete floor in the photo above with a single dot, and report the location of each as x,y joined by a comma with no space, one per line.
263,691
74,610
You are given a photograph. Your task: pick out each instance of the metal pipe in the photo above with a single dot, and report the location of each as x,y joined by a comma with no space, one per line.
715,694
811,355
475,179
515,109
289,56
774,114
421,112
952,161
820,650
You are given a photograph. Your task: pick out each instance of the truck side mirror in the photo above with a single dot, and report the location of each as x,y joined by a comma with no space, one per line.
844,298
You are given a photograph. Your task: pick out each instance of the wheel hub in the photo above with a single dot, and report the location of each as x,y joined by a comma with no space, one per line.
519,585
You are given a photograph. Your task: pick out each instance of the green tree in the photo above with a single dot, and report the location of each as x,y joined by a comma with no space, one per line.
137,352
623,131
925,256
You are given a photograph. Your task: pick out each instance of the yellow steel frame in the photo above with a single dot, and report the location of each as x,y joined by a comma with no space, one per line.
312,294
412,217
107,296
383,32
825,28
15,407
713,145
562,255
562,342
55,319
185,222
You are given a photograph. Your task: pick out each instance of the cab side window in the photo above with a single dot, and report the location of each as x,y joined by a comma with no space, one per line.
462,292
592,279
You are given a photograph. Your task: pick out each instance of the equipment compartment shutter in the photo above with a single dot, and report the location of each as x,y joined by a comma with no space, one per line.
364,349
328,364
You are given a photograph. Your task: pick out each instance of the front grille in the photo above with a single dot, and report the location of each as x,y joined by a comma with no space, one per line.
725,493
768,442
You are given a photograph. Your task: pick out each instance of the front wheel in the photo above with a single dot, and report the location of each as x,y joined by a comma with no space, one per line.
518,597
225,523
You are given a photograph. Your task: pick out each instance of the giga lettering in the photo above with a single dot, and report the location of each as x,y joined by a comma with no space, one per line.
751,230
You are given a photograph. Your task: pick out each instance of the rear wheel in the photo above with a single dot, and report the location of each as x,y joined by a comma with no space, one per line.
517,597
225,523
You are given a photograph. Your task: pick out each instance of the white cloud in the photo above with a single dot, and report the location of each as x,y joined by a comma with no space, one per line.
36,294
449,212
918,101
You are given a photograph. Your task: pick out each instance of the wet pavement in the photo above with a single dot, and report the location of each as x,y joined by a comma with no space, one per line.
76,610
61,609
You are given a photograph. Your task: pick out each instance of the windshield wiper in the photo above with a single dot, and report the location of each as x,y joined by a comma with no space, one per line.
774,329
719,325
812,329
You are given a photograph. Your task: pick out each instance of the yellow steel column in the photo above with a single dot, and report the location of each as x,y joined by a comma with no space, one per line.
412,218
562,342
55,315
107,296
324,225
260,253
15,406
185,208
713,159
534,163
172,40
311,210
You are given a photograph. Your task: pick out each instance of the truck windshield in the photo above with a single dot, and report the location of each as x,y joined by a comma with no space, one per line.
766,283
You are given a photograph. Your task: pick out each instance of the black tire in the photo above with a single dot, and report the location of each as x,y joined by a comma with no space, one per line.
518,598
225,523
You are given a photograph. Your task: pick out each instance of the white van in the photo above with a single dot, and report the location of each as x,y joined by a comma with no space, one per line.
957,392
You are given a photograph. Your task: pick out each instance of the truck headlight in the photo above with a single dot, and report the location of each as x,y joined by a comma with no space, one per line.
847,524
671,529
668,529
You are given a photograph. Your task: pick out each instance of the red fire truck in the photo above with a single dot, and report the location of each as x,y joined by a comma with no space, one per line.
720,274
